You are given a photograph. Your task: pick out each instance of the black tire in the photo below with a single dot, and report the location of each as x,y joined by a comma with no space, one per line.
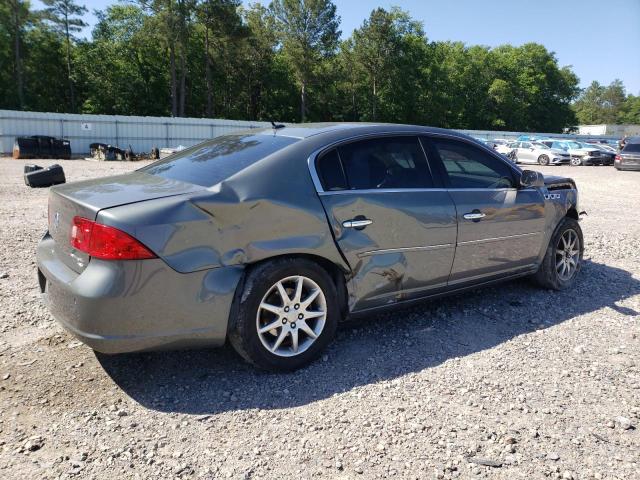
543,160
547,275
243,332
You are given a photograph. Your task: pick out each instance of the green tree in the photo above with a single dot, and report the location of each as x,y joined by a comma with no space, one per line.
600,104
64,16
15,17
630,110
308,33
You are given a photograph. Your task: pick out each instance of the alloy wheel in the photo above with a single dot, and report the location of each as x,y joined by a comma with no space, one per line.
291,316
543,160
567,255
576,161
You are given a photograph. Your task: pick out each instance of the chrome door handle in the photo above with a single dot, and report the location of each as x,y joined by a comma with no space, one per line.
474,216
357,223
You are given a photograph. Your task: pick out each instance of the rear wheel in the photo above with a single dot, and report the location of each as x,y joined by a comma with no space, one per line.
286,315
563,259
543,160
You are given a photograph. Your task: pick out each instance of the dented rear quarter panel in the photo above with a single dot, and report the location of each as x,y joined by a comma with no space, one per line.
266,210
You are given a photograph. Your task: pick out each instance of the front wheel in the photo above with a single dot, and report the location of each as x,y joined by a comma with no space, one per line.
563,259
287,314
543,160
576,161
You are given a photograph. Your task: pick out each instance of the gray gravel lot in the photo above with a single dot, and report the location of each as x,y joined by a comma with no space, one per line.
506,382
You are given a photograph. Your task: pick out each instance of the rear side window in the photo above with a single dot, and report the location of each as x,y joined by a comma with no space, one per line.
631,148
211,162
470,167
388,162
330,171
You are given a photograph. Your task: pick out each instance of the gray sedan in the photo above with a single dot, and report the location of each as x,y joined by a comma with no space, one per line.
268,238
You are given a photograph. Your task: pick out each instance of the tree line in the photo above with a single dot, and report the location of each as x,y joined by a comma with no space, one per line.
285,62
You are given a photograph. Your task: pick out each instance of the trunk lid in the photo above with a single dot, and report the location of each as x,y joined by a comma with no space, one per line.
87,198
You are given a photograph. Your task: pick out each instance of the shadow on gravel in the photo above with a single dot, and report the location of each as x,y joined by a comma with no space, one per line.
368,350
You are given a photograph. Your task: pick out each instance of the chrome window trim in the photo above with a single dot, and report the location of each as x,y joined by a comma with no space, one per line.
423,190
311,160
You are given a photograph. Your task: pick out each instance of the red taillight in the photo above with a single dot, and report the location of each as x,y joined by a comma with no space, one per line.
618,158
105,242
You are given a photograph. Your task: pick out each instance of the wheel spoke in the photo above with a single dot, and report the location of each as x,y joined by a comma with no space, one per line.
309,315
275,324
560,263
279,340
294,340
283,293
270,308
312,296
564,269
298,295
307,329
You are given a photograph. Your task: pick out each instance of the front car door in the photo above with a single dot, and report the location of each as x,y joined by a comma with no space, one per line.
396,231
525,152
500,226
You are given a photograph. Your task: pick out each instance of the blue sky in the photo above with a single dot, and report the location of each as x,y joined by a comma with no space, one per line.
600,39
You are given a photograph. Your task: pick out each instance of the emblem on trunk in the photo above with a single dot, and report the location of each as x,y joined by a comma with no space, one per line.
56,220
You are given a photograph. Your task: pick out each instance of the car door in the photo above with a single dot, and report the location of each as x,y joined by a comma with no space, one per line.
396,231
500,226
525,152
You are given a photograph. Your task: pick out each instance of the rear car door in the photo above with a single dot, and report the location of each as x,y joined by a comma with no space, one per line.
500,226
395,229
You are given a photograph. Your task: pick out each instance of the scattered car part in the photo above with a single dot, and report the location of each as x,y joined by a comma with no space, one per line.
38,177
41,146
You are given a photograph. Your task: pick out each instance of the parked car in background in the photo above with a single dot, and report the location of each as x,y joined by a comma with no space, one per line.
536,152
578,154
606,152
217,243
604,144
629,156
506,148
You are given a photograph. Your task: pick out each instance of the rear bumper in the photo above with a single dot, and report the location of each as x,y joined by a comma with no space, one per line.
127,306
622,166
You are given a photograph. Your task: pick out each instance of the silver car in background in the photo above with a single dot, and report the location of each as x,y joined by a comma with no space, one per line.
579,154
539,153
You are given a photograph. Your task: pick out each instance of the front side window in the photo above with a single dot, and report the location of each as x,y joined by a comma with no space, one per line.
470,167
388,162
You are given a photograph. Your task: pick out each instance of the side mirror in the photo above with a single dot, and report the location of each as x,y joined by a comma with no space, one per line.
531,178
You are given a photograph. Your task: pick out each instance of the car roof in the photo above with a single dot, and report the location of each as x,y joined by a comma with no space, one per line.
338,130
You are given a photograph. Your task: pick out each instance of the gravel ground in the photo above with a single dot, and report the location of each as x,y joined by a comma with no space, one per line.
506,382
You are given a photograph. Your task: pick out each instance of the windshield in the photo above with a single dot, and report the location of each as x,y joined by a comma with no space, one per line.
540,145
215,160
574,145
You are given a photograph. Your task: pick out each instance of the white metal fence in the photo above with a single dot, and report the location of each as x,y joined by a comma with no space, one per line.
141,133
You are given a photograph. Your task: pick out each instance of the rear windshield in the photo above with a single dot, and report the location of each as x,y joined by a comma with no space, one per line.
211,162
631,148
